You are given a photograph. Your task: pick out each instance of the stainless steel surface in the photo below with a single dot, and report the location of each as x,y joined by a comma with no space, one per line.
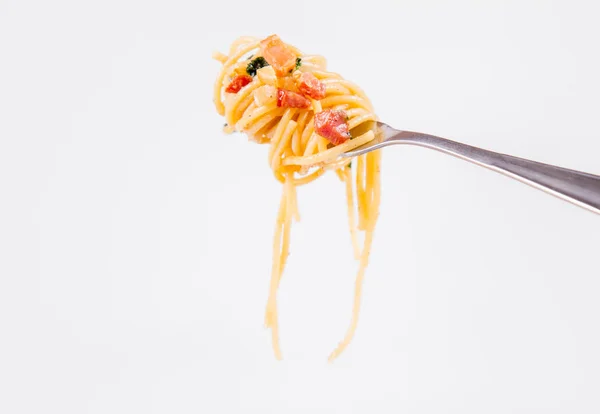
579,188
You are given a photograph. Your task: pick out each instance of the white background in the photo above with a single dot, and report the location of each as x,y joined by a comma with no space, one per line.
135,238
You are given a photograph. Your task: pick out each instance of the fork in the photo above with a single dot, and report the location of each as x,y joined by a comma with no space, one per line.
579,188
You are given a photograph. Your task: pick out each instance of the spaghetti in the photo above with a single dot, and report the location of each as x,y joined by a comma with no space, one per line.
277,95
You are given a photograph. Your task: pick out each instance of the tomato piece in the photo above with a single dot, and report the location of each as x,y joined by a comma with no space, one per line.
289,99
309,85
332,125
278,55
238,83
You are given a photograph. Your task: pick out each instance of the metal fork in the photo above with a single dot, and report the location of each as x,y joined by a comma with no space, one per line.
579,188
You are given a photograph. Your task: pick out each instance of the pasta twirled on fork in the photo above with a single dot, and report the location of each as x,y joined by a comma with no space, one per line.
279,96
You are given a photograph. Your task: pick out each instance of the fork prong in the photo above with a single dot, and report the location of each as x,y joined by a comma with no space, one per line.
382,133
579,188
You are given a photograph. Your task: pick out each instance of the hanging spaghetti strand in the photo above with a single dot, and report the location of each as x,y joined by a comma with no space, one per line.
309,116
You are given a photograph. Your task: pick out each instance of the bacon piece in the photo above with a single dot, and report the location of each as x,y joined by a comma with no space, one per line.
278,55
332,125
238,83
309,85
288,83
289,99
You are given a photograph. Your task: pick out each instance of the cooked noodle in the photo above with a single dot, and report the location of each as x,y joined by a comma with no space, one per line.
298,154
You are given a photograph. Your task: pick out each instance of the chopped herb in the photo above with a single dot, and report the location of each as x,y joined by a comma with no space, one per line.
225,125
298,64
350,164
256,64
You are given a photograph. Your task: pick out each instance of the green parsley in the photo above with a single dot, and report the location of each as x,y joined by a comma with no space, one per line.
256,64
298,64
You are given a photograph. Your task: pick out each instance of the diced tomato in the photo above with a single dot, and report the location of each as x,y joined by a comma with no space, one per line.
238,83
333,125
278,55
289,99
309,85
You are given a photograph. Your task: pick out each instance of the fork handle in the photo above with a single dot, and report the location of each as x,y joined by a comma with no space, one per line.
577,187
